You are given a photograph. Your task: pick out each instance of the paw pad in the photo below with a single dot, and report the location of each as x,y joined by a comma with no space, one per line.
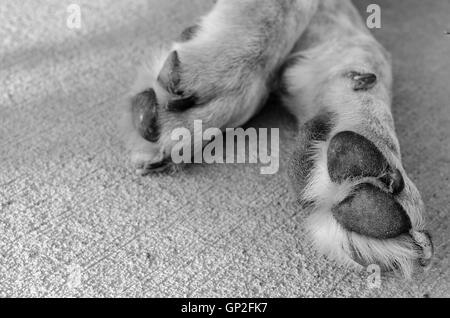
368,210
351,155
144,109
372,212
363,81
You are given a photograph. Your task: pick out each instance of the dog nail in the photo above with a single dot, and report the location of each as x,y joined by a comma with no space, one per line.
145,115
170,75
394,181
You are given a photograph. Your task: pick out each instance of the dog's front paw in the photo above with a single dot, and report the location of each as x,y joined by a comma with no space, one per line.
219,72
365,209
169,97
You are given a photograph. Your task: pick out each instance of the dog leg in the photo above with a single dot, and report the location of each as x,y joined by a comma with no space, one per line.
347,168
219,72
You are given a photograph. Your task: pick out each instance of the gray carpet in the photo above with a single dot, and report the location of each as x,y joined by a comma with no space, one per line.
75,222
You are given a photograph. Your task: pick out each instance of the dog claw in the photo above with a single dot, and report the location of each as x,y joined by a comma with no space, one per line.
394,182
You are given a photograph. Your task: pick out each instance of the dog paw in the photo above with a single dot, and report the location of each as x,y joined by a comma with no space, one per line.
215,73
365,210
165,99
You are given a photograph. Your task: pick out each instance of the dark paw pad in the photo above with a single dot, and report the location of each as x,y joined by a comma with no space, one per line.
170,75
144,108
372,212
351,155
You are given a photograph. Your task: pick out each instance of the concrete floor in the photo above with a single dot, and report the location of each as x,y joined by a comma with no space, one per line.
75,222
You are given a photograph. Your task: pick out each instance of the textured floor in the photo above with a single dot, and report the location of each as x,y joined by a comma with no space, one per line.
75,222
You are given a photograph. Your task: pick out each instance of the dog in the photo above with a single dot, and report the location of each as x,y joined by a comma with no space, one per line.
334,77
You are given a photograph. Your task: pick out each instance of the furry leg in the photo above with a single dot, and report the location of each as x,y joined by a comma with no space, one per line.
220,72
348,167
